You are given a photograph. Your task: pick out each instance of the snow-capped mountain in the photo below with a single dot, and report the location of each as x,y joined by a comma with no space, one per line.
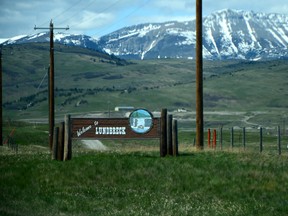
227,34
67,39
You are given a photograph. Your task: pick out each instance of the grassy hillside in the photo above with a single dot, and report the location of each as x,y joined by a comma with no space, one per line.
142,183
87,81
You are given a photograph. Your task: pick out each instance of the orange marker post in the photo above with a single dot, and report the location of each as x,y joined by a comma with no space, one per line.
209,138
214,138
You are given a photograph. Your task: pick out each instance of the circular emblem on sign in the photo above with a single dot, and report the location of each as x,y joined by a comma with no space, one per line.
141,121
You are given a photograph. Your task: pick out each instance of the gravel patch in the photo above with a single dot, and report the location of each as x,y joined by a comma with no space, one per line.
94,144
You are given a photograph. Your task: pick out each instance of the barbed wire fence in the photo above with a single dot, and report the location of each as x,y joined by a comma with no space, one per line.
271,140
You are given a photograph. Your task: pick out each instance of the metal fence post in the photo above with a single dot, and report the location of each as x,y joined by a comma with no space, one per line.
279,140
244,138
221,137
261,140
232,137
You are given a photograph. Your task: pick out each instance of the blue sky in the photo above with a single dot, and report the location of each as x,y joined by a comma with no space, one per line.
99,17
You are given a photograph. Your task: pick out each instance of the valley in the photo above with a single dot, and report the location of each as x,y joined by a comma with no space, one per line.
238,93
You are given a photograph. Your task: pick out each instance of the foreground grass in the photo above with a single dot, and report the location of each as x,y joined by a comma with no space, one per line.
142,183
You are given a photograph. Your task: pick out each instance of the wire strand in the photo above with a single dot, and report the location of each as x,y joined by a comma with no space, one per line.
100,12
75,14
123,18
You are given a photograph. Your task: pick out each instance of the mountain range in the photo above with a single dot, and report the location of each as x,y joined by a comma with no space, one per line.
227,34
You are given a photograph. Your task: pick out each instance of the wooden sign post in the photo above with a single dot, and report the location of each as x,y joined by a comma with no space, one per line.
140,125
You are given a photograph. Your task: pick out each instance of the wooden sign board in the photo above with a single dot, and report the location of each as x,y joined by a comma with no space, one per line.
111,128
140,125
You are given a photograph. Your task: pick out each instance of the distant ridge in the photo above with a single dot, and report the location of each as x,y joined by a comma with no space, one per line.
227,34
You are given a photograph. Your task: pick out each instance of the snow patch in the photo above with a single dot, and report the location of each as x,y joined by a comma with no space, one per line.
14,39
169,24
251,32
150,47
17,37
211,38
189,35
2,40
283,34
147,29
36,36
227,37
60,36
276,36
136,32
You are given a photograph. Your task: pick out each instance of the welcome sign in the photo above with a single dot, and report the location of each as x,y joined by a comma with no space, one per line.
140,124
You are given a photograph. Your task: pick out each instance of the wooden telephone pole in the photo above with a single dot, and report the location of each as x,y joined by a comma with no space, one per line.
1,115
199,78
51,83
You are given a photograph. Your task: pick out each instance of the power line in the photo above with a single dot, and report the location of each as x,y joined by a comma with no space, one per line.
60,14
42,81
75,14
100,12
123,18
67,10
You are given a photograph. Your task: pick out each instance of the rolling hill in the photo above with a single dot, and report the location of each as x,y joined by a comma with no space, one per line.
87,81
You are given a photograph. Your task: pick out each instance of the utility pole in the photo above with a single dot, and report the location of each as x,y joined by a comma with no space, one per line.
51,83
1,115
199,78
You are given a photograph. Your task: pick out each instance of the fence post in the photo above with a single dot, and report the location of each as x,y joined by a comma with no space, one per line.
55,143
60,142
279,140
209,138
214,138
163,138
232,137
244,138
169,135
261,140
175,137
221,137
67,139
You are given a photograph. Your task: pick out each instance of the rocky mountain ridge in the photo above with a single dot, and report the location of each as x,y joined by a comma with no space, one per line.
227,34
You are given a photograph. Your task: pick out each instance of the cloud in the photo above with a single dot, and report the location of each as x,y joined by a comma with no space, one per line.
174,5
282,9
90,20
18,17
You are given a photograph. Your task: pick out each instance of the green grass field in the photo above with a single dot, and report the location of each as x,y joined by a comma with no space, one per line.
131,178
142,183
